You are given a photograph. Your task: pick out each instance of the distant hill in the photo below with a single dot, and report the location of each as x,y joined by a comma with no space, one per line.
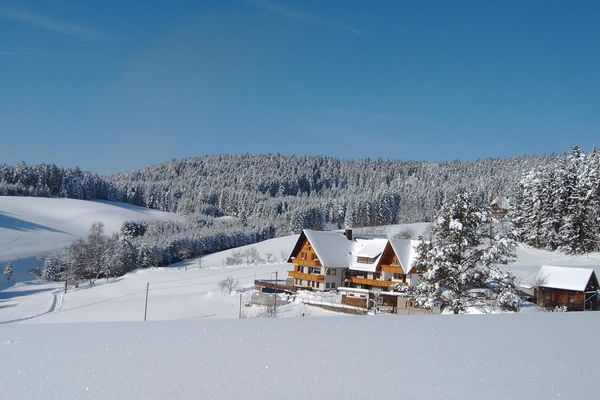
287,191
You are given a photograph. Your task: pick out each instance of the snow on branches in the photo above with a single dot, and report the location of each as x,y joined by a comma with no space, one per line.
557,206
463,257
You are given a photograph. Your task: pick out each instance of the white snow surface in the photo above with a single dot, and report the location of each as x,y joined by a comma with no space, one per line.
567,278
467,357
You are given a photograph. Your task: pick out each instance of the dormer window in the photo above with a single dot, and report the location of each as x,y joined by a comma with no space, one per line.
365,260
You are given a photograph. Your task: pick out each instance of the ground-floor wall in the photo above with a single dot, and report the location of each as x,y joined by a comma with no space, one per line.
574,301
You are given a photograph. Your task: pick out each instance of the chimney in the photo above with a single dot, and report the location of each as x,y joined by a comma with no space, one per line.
348,233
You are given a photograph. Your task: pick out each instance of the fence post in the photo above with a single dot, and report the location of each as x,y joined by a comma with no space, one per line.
146,305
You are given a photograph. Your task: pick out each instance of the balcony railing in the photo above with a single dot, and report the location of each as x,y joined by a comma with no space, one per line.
395,269
306,262
370,282
310,277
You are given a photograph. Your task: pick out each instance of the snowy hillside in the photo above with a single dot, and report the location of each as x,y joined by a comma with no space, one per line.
187,290
492,357
35,226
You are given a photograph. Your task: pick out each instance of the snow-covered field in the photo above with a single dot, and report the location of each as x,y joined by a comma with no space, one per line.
510,356
191,346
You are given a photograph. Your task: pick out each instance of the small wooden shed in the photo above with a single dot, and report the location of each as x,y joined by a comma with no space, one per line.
573,288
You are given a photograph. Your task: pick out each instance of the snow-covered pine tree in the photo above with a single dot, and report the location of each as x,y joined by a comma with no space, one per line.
574,233
50,271
8,271
593,216
463,257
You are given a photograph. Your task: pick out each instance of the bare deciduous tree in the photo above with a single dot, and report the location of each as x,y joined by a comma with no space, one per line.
229,284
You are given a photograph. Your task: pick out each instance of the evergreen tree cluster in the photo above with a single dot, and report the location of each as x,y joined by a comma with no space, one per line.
148,244
557,206
48,180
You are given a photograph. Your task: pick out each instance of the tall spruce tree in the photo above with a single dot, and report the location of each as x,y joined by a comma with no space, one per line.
464,256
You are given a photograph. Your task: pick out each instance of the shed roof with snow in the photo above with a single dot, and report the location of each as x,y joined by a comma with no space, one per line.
565,278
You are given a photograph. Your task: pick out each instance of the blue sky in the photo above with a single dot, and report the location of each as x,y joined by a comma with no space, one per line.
115,85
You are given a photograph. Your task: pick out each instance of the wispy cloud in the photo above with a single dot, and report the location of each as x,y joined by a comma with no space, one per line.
55,25
298,15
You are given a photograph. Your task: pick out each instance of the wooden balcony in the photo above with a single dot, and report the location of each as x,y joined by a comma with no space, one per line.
306,262
310,277
395,269
370,282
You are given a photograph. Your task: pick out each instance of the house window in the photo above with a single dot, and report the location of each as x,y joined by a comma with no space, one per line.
314,256
333,271
303,255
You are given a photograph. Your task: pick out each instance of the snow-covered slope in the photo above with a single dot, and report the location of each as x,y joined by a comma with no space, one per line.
187,290
492,357
36,226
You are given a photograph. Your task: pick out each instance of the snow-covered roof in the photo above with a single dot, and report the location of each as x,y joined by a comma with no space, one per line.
369,248
566,278
406,250
502,202
332,248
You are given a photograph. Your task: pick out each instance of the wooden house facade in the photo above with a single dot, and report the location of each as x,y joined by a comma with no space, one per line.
365,270
314,268
576,289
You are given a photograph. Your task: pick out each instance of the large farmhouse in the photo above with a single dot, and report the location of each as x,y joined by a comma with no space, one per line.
364,269
573,288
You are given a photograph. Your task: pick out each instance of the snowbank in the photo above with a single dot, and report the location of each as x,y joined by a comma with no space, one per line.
451,357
